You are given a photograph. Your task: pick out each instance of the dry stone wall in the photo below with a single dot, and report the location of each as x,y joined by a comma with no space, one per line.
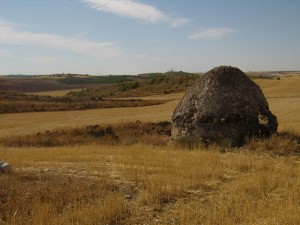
224,105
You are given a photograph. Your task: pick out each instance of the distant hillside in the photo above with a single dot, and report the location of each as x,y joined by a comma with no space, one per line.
115,85
31,84
15,76
143,85
55,82
16,102
111,79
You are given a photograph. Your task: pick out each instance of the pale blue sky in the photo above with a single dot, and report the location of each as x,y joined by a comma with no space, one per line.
137,36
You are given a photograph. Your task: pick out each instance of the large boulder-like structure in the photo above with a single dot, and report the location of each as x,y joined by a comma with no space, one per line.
223,106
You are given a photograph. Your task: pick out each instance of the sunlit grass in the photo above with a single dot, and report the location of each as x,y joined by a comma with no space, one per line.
150,181
96,184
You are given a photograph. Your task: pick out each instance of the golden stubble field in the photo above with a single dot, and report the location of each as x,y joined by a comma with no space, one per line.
149,184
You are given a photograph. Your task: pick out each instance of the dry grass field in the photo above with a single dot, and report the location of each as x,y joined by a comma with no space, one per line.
284,100
58,93
144,184
283,97
150,183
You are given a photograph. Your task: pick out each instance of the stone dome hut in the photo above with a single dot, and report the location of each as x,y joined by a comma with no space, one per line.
224,105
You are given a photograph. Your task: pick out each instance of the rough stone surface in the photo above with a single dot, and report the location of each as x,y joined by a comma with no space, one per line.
224,105
5,168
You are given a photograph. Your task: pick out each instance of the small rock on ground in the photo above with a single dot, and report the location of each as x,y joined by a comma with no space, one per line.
5,168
